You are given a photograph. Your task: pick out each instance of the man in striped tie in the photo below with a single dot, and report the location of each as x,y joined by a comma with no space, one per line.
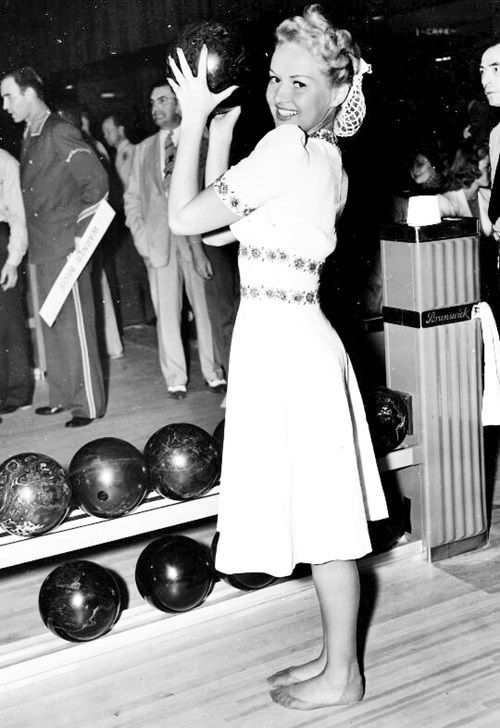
175,263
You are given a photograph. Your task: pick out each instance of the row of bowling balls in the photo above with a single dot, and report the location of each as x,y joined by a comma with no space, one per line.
107,477
81,600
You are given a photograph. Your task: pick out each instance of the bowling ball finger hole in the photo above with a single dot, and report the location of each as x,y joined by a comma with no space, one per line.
102,495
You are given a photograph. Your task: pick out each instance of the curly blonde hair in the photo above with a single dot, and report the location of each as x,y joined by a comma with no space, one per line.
333,47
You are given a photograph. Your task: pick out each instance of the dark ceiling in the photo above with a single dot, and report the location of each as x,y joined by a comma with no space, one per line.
106,53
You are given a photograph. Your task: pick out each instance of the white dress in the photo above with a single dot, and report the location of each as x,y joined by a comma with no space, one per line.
299,476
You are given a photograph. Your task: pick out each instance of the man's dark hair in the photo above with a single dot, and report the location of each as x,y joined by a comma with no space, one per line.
161,82
27,77
69,111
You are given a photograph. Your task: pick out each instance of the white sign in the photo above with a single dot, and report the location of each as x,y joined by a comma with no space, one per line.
77,260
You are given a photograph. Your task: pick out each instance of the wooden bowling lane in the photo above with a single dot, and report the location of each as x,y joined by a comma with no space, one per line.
431,649
429,633
137,406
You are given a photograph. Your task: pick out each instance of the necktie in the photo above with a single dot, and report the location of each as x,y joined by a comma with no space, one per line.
494,206
169,159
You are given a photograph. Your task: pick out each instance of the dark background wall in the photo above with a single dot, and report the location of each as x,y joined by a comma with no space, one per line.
107,53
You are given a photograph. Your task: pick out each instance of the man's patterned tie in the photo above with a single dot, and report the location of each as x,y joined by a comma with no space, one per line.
169,159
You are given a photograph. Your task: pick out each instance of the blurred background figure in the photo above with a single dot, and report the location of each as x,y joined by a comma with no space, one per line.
16,374
467,194
424,176
98,147
115,135
136,307
481,120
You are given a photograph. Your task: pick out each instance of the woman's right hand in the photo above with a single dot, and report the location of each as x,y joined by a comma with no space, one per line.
196,101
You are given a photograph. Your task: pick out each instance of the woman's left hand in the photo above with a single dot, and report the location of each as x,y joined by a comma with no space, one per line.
195,98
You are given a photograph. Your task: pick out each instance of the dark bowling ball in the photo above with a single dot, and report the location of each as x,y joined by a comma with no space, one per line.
183,461
218,435
175,573
227,59
79,601
385,534
109,477
35,495
250,581
387,416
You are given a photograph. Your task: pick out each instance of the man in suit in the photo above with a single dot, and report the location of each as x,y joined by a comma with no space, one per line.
62,183
490,78
173,262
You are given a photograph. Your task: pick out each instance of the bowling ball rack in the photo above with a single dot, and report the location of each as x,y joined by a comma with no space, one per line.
81,531
31,659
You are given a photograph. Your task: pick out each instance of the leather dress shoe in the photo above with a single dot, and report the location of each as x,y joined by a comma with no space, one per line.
217,386
48,410
78,422
178,391
8,409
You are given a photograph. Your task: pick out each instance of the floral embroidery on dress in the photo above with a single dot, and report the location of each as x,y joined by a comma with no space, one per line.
280,294
326,134
230,198
308,265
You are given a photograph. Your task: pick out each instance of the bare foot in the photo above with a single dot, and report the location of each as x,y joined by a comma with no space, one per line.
298,673
318,692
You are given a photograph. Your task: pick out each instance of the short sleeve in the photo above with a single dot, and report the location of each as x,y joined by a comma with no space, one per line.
274,168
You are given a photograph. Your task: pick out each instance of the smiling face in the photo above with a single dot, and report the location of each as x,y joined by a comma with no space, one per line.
421,169
164,107
490,74
16,101
299,92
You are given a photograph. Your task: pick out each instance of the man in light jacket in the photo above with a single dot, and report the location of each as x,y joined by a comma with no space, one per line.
173,262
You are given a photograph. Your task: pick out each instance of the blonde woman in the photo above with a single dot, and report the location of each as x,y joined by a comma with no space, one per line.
299,477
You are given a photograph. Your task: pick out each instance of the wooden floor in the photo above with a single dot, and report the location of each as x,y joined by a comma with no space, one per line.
430,633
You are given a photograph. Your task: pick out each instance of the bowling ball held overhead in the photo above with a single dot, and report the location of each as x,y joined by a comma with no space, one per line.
227,62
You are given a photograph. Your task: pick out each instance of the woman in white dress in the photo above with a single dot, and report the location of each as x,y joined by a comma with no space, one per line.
299,478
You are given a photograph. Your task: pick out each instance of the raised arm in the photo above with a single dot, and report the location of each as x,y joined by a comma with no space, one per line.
190,211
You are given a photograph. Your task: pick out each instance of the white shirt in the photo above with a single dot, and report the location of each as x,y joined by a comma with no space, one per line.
12,208
123,161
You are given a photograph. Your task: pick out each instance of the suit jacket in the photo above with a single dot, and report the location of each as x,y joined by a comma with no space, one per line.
494,158
494,149
146,208
62,182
